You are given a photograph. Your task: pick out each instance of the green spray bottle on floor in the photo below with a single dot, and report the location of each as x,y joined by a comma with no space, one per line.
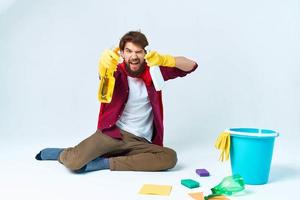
228,186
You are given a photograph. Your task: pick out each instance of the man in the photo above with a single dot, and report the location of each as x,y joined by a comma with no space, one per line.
130,127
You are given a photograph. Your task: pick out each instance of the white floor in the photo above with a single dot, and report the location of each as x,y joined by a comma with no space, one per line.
22,177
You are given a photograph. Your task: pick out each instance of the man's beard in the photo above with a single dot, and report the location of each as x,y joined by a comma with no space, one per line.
136,73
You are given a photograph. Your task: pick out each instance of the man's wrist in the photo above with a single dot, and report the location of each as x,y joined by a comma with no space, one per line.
169,61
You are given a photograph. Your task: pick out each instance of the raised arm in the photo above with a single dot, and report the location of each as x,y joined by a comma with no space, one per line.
154,58
184,63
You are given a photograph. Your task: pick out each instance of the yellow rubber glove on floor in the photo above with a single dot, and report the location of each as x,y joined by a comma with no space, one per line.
155,59
223,144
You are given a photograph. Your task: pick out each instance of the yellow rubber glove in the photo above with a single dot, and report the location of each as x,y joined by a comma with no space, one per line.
107,66
108,61
223,144
155,59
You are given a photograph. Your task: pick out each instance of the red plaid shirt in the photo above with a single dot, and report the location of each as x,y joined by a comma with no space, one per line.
111,112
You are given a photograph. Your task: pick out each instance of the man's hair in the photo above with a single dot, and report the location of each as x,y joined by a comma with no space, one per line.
135,37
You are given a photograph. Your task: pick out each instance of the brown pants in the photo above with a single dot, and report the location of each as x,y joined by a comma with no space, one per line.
131,153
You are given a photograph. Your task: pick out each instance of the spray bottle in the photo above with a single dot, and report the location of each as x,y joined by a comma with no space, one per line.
107,80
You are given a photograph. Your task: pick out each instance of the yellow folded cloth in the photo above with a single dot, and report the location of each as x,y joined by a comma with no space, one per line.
153,189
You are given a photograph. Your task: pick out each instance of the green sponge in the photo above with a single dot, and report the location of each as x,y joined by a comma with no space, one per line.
190,183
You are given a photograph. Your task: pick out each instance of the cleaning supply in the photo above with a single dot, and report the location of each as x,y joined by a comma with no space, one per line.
202,172
215,197
196,195
251,153
250,150
154,189
190,183
154,60
107,66
229,185
157,78
223,144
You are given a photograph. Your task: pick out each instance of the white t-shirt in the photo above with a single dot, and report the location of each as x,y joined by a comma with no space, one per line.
137,117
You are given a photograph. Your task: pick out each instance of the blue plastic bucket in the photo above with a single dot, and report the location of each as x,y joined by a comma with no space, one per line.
251,152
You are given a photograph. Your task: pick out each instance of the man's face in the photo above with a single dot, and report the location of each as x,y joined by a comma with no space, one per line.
133,56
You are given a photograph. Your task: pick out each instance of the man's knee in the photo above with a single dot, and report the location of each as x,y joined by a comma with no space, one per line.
170,158
70,159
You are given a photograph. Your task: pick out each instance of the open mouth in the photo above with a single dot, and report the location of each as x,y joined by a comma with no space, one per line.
134,64
134,68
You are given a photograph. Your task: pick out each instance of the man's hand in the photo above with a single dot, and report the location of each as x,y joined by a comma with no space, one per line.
155,59
108,61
